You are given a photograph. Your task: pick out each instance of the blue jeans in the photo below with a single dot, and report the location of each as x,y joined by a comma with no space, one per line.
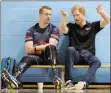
81,57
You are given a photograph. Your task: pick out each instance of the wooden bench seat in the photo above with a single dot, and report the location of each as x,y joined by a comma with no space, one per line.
76,66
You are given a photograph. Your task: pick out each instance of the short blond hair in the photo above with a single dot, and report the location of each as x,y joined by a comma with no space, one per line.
80,8
44,7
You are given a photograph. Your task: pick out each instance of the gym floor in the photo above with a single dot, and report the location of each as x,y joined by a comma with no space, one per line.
55,91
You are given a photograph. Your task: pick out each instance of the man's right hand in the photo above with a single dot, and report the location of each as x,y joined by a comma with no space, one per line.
63,24
64,14
38,52
43,47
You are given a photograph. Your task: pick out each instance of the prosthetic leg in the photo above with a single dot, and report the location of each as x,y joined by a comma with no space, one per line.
10,81
51,56
13,81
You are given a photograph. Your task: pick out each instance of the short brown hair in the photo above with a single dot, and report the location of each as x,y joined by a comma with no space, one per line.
44,7
80,8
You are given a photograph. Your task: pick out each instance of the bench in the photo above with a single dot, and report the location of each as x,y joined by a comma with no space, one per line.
62,74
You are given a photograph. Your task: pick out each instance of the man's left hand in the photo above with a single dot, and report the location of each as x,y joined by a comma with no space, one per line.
99,9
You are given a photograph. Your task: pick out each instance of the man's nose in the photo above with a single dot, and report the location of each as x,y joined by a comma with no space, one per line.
49,16
75,18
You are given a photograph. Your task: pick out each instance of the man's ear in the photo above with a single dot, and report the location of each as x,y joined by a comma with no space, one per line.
83,14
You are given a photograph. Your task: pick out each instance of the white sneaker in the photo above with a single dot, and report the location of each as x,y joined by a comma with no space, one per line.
80,85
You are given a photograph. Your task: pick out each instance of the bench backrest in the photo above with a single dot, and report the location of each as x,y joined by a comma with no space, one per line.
17,17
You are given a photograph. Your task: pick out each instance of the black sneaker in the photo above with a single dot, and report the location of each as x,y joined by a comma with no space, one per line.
69,85
10,80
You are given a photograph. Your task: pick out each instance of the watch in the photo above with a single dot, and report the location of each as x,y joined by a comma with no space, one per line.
34,47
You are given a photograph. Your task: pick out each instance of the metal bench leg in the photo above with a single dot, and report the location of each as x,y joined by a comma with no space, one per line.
62,77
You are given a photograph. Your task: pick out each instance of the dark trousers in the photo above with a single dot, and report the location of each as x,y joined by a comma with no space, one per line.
82,57
48,57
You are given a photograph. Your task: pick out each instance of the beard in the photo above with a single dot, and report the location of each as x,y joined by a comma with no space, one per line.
78,22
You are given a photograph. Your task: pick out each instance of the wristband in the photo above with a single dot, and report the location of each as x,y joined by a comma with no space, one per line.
34,47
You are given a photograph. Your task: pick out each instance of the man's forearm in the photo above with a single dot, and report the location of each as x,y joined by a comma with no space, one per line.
63,25
41,47
36,49
105,16
32,51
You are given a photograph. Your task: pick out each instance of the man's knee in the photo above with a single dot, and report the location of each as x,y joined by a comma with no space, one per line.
98,63
71,49
51,55
50,47
50,50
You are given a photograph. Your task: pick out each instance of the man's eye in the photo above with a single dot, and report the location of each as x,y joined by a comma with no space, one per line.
46,14
77,14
